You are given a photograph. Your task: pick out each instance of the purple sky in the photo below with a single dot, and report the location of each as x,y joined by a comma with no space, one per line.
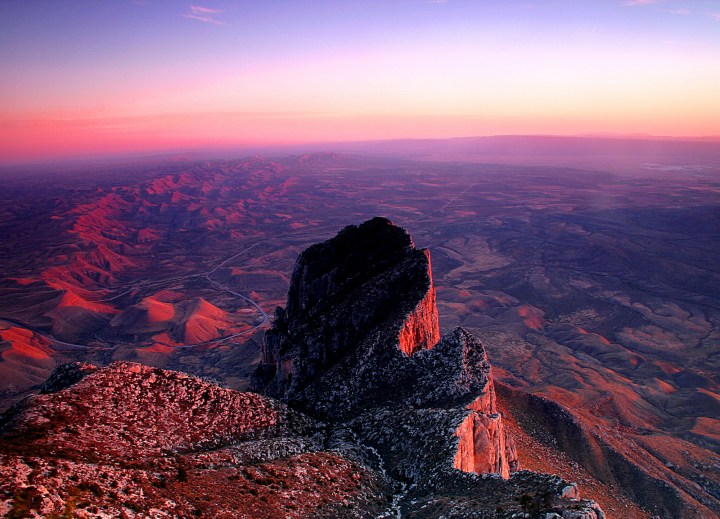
106,76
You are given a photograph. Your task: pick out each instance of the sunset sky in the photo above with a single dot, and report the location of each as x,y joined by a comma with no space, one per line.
100,76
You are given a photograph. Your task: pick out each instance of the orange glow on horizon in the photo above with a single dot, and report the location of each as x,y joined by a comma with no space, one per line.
56,138
439,70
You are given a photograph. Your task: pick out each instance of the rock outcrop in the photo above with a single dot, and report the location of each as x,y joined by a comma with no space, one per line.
357,302
385,419
484,445
358,332
166,410
420,328
132,441
357,346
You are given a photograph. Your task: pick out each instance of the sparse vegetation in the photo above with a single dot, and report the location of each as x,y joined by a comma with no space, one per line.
24,502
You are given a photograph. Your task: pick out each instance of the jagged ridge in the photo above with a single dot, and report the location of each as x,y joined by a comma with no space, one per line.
356,303
129,440
337,351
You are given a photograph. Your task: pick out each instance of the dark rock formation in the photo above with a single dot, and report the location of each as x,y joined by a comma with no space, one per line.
357,346
357,303
358,333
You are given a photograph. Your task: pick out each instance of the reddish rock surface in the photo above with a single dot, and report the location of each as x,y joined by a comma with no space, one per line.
482,445
486,446
133,441
421,327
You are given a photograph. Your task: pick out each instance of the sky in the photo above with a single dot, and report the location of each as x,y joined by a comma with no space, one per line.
86,77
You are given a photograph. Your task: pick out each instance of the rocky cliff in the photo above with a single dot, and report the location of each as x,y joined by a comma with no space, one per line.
385,418
357,302
358,345
358,331
485,446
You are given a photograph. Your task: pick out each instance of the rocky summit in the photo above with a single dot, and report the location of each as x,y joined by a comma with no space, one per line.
358,346
359,304
365,411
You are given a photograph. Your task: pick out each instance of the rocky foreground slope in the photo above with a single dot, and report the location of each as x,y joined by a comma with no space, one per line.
133,441
383,418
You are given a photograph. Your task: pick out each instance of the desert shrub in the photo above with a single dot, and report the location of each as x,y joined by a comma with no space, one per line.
182,475
91,487
24,501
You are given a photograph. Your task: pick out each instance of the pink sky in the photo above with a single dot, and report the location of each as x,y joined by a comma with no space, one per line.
90,79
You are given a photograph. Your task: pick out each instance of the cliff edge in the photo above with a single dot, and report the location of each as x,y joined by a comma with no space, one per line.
358,346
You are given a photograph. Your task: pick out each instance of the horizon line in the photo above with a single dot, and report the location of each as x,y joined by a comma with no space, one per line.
130,155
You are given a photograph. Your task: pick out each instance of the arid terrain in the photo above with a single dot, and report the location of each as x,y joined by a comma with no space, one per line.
592,277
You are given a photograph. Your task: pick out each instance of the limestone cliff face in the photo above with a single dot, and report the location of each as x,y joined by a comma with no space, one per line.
485,446
421,327
482,445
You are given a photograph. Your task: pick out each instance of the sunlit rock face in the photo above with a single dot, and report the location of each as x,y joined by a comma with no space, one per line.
482,445
485,445
421,327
